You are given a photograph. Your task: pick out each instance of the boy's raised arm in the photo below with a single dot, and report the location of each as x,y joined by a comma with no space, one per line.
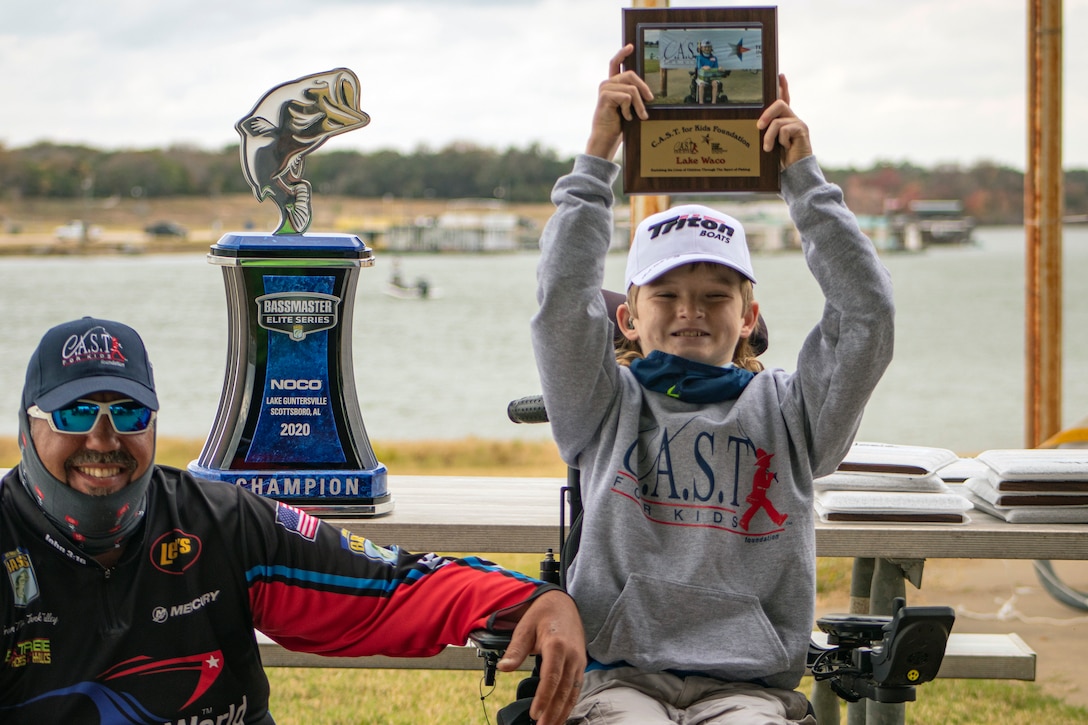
783,126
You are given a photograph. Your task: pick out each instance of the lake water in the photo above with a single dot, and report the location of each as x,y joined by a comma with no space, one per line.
446,367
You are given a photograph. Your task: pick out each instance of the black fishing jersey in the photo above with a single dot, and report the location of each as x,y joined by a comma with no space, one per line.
167,634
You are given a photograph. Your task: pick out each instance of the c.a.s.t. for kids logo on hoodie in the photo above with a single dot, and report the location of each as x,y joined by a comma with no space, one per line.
727,485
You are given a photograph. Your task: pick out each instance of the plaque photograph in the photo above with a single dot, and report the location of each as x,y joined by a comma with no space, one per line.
712,72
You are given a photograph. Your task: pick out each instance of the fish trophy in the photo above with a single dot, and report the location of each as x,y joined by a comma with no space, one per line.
288,425
289,122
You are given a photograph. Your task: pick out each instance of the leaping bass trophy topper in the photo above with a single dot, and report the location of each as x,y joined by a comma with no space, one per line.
289,425
289,122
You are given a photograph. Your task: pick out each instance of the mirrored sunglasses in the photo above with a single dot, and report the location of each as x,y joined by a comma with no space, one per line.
127,416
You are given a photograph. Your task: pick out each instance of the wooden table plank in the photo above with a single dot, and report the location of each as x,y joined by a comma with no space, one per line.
500,515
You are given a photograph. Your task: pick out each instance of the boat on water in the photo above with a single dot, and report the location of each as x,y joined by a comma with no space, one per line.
421,290
398,288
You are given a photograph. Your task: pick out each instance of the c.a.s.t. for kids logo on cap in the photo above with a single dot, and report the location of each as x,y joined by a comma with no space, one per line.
94,345
297,314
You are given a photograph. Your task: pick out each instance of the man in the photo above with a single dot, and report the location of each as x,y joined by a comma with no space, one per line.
133,590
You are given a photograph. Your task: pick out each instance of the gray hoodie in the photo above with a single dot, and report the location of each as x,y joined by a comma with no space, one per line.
698,547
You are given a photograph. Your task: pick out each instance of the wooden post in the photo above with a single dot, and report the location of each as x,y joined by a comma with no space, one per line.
1043,224
643,206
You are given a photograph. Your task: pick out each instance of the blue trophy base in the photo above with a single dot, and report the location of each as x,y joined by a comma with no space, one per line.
289,426
242,245
327,492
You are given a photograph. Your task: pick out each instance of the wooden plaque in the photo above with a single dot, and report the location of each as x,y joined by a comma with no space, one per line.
712,71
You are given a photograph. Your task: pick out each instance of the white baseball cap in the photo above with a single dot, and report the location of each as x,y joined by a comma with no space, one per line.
683,235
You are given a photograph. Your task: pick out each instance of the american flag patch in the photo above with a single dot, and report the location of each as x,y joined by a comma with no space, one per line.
298,521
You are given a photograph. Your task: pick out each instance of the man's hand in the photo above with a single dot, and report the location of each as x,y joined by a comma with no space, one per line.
783,126
552,628
623,96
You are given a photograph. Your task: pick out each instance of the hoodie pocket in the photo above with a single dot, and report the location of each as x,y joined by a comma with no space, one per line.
657,624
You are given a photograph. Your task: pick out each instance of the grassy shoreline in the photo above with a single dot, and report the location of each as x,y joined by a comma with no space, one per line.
461,457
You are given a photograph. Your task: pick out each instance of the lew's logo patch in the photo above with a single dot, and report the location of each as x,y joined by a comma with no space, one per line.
175,551
24,585
297,314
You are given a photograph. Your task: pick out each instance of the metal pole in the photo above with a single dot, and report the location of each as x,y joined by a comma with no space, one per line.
888,583
1043,224
861,592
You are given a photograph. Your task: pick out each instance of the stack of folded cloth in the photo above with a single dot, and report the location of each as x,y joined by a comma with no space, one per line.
890,483
1032,485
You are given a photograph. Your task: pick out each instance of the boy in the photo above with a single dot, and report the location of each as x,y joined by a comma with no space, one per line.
707,70
696,572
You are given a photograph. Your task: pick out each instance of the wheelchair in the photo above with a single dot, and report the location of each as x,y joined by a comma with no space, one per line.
874,657
708,89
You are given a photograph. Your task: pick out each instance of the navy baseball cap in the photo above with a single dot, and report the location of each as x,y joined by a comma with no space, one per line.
87,356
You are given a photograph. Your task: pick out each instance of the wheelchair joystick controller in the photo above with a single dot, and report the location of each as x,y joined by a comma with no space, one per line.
490,646
882,658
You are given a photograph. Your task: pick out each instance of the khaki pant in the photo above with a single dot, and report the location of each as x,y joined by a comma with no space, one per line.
625,695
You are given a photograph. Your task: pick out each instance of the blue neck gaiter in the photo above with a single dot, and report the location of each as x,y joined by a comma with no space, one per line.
690,381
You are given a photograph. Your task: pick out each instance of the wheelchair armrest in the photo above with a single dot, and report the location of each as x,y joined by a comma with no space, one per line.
853,630
487,640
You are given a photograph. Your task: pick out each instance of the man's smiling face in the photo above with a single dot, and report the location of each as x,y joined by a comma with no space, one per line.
99,462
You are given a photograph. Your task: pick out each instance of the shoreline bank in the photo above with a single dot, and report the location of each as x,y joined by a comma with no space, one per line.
459,457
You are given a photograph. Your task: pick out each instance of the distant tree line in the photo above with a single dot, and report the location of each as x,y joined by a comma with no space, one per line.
991,193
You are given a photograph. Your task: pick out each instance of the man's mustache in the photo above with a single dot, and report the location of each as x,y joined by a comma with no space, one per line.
111,458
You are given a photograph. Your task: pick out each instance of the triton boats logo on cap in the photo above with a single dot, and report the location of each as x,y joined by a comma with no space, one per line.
684,235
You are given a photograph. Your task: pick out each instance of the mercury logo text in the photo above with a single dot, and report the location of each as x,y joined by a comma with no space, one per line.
161,614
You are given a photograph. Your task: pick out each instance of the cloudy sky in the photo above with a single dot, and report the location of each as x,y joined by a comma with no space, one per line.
925,81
